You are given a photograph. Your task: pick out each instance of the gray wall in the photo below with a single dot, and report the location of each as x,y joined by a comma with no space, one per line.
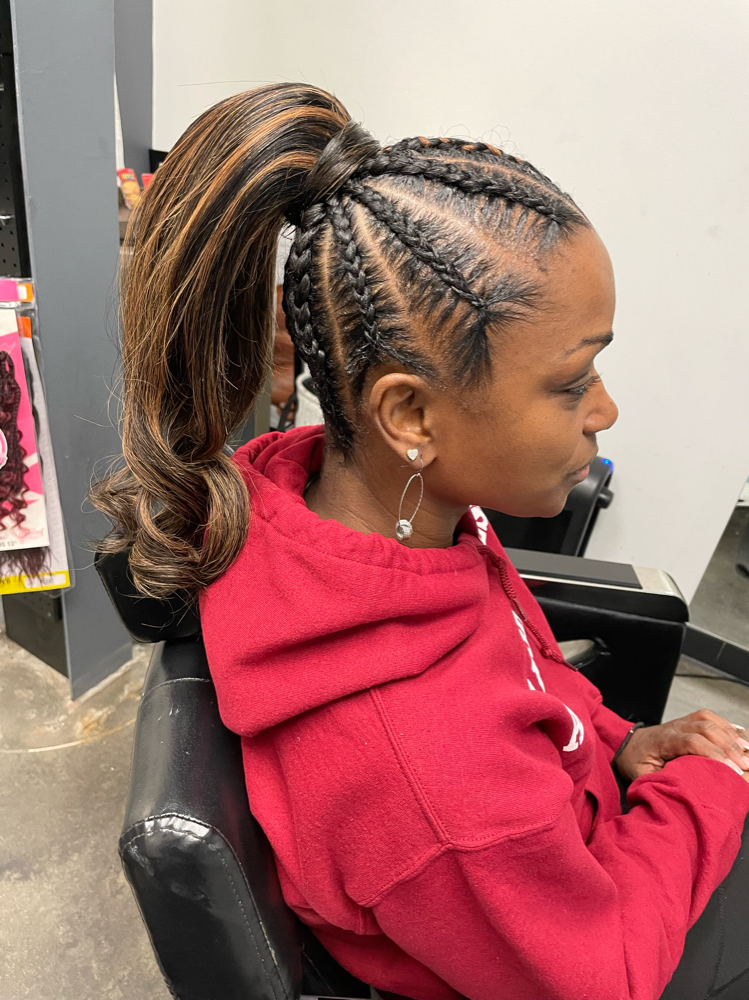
133,24
64,71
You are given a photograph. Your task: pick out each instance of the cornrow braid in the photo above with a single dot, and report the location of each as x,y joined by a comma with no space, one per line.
298,306
480,152
411,236
366,350
469,147
369,336
473,182
484,153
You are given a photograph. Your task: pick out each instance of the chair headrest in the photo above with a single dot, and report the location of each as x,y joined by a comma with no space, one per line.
146,618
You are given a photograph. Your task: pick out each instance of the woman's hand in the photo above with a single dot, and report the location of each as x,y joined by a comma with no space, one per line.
702,733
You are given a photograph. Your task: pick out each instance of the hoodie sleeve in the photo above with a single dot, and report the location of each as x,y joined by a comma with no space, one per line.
610,727
546,915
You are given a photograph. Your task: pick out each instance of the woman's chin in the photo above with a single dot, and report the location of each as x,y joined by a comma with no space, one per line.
552,509
548,505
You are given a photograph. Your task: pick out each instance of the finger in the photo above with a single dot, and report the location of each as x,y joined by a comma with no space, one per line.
734,767
734,731
731,727
700,746
726,740
706,715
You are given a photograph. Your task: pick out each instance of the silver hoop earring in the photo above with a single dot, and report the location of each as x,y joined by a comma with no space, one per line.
403,527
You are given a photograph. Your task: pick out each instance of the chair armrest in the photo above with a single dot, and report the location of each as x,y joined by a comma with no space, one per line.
636,617
579,653
634,590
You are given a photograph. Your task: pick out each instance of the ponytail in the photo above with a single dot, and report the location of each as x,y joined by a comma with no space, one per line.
198,320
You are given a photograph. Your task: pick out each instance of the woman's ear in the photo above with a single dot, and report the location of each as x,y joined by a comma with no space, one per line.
400,408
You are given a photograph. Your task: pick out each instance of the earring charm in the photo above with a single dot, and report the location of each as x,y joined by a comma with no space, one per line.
404,526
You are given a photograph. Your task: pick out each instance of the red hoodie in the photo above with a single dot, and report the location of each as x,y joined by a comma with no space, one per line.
435,781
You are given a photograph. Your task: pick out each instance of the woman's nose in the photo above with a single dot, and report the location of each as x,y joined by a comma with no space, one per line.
603,413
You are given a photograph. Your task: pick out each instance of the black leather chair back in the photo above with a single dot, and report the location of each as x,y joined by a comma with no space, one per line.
200,867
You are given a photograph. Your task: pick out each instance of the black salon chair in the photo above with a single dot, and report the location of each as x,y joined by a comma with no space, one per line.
200,867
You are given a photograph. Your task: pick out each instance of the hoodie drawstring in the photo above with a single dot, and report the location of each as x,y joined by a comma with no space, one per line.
546,648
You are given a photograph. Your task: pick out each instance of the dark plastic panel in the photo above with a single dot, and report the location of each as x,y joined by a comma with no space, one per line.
574,568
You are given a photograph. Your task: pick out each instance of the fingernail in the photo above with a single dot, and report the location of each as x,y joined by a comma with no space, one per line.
735,767
737,726
742,743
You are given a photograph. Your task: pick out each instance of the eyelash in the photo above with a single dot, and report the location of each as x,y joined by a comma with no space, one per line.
580,390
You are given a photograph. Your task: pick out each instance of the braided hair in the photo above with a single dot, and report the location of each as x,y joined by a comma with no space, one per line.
399,258
411,241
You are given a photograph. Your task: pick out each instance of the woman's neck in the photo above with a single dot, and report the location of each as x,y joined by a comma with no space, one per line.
367,501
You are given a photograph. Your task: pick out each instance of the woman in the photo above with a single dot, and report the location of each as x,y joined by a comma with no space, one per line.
436,782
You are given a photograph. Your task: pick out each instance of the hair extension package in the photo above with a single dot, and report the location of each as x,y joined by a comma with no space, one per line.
33,553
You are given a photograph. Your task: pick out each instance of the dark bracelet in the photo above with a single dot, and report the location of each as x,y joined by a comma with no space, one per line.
625,741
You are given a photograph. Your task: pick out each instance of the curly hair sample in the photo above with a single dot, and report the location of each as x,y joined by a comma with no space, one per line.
12,483
32,561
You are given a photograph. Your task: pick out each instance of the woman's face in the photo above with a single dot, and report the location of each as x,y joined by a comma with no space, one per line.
528,439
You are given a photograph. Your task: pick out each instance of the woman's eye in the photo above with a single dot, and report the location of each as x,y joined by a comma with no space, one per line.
580,390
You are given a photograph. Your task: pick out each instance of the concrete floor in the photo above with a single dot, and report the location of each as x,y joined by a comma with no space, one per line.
69,929
721,602
709,689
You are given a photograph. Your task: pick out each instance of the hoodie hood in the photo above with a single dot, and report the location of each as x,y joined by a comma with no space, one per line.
312,611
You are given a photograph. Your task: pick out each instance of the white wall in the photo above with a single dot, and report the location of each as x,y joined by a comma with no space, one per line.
639,109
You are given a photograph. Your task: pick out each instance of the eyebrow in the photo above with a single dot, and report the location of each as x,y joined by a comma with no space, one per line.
603,338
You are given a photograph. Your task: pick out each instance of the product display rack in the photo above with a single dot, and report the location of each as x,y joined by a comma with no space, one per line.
35,620
14,244
57,74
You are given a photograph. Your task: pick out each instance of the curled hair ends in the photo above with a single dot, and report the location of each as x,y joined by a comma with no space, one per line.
198,321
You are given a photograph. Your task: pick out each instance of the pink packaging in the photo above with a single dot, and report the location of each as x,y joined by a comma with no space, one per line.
23,520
